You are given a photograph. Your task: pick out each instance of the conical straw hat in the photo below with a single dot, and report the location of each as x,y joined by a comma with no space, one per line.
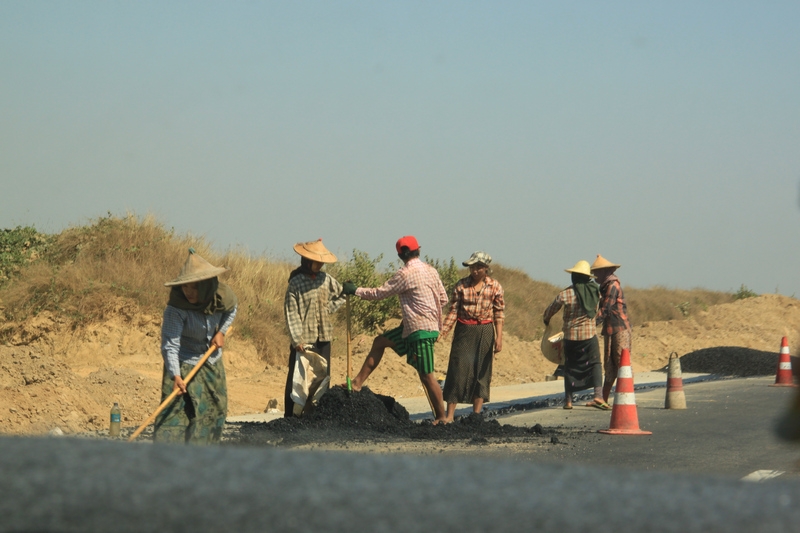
581,267
196,269
315,251
602,262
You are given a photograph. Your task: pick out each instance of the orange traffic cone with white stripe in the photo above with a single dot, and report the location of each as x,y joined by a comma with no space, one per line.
624,417
783,377
676,399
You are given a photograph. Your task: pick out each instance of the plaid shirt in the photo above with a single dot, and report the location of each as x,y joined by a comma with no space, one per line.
308,304
422,296
469,304
613,312
186,335
577,324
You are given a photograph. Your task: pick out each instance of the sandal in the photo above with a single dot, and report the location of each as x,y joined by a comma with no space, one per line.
603,406
567,407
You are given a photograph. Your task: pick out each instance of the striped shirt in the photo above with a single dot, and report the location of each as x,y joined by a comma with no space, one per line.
577,324
613,312
186,335
308,304
469,304
421,293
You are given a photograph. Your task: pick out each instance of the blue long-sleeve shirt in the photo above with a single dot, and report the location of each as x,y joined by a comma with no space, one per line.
186,335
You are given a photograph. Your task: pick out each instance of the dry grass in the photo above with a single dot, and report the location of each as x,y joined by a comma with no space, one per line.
116,267
260,285
120,264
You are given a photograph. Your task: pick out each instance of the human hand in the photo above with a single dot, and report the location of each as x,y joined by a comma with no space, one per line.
218,339
180,385
349,287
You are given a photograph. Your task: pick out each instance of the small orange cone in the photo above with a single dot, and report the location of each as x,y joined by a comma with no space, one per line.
783,378
624,417
676,399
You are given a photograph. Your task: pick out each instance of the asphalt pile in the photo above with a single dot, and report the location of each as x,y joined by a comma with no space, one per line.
730,361
366,416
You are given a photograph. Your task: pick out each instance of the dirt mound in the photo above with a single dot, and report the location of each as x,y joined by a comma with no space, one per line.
54,377
39,393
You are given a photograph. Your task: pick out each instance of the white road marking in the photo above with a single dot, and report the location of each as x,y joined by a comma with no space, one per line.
762,475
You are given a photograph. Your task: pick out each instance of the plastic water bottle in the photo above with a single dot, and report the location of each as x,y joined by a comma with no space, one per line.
113,429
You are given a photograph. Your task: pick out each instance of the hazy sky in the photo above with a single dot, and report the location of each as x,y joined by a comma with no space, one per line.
663,135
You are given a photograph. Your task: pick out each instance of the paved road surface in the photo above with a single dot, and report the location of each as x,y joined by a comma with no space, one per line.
727,429
81,485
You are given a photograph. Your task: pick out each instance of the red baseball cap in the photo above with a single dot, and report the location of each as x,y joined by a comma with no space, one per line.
409,241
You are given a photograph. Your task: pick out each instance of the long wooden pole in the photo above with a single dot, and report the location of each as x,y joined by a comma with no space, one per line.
175,392
349,349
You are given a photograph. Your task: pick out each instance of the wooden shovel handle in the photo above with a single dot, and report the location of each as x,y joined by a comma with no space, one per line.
349,349
172,396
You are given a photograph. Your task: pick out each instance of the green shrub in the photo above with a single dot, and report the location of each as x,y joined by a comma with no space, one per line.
743,293
447,271
366,316
19,247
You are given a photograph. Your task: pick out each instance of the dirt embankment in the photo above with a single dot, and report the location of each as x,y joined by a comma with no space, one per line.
52,377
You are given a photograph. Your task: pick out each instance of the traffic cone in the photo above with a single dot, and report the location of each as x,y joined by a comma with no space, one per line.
624,418
676,399
783,378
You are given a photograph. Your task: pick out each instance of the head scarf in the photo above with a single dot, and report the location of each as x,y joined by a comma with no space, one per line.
304,268
212,296
588,293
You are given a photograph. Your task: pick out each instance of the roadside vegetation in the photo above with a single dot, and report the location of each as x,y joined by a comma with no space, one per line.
115,267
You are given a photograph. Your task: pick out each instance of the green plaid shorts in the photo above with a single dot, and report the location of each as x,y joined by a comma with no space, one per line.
418,352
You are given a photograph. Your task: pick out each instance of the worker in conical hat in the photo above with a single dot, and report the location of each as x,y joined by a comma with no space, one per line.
612,318
199,312
582,366
311,298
